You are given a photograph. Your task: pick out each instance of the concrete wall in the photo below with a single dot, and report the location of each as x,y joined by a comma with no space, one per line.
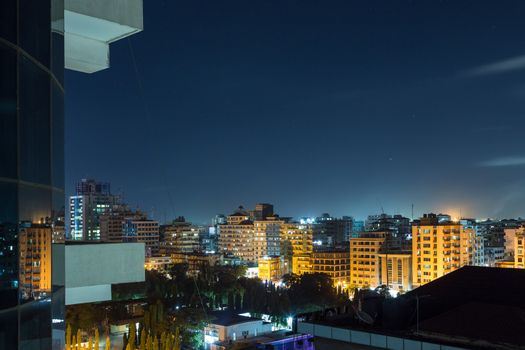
376,340
91,269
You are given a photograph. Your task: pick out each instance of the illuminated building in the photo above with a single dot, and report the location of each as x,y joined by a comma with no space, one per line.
195,261
297,247
519,248
395,270
142,230
35,260
301,264
112,222
237,236
478,242
237,217
398,225
91,201
364,259
336,264
158,263
227,328
267,237
270,268
179,237
439,248
331,231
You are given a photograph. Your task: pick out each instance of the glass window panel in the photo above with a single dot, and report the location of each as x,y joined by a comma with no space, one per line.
35,19
9,329
34,119
57,151
8,245
34,204
57,66
35,325
8,20
8,126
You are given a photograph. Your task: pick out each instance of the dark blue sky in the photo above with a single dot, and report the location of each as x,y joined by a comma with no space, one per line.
315,106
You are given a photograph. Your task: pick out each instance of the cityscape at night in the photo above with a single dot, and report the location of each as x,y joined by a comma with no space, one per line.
262,175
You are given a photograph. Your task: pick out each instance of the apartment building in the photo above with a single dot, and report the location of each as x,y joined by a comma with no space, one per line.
364,259
439,248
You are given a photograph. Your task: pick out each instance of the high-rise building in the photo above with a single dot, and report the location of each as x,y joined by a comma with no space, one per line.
35,260
37,39
31,169
330,231
478,242
397,224
267,237
336,264
142,230
297,246
236,238
112,222
179,237
439,248
91,200
364,258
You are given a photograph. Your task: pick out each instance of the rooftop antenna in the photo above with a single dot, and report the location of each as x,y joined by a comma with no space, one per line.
381,205
412,211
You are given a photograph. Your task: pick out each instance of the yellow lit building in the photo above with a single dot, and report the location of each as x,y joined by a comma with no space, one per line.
336,264
270,269
196,261
237,240
35,259
302,264
297,246
396,270
364,259
439,248
158,263
267,237
519,249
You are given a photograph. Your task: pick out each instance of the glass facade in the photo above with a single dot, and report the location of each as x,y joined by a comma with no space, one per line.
31,173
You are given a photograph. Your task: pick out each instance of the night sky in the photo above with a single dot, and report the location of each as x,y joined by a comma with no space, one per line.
314,106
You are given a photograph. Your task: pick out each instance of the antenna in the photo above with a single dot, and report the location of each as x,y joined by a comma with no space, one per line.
412,211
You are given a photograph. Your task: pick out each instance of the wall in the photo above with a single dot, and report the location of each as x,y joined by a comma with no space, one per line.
380,341
91,269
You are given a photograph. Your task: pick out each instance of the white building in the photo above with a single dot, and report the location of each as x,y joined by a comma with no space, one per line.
225,328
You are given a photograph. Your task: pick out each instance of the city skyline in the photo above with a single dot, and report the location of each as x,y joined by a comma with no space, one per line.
343,108
455,213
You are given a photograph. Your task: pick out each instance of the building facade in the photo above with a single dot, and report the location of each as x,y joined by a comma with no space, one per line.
336,264
364,259
267,237
31,170
142,230
438,248
92,200
395,270
179,237
270,268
